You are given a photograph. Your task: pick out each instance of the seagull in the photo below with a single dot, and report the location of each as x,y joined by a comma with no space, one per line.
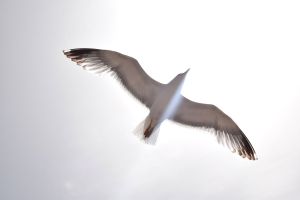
164,101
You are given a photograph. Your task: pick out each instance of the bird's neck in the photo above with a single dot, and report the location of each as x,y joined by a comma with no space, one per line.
175,85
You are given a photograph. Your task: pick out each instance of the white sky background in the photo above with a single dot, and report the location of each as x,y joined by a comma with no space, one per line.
66,134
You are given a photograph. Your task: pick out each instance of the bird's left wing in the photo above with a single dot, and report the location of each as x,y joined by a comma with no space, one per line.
125,68
211,117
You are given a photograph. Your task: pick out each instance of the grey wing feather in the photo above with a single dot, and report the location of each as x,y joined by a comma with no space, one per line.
211,117
125,68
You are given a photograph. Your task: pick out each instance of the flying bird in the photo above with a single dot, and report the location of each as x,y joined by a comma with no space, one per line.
164,100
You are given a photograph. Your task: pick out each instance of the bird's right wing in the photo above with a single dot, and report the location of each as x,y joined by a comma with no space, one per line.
125,68
211,117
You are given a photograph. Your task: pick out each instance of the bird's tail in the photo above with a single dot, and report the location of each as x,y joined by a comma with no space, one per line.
147,130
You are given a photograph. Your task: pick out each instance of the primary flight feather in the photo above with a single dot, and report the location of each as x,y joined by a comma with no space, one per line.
163,100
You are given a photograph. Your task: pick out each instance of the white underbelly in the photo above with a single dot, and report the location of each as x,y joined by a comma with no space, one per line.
172,106
166,104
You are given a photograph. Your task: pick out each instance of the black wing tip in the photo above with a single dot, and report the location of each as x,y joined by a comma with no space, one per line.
250,156
78,51
247,150
238,144
66,51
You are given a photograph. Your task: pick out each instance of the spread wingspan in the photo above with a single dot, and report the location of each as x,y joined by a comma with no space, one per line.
145,89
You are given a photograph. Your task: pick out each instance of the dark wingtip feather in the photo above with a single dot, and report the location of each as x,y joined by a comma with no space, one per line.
248,148
77,52
237,142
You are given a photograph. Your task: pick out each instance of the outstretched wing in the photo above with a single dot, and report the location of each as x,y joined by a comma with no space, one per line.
125,68
211,117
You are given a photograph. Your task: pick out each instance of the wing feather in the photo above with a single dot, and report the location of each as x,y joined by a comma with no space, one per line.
126,69
211,117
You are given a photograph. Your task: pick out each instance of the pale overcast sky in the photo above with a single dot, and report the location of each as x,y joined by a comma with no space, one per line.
67,134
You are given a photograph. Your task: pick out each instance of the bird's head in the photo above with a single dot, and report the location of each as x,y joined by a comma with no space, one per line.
185,73
182,76
179,79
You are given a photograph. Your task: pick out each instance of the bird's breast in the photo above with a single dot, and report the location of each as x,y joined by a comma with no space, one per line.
166,103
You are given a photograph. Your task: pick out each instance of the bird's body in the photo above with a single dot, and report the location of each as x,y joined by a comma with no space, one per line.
163,107
164,100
